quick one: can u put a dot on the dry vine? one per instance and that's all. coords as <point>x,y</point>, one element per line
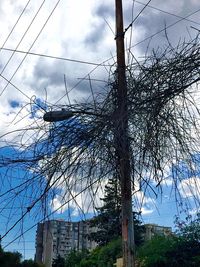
<point>79,153</point>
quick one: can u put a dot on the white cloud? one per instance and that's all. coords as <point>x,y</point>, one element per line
<point>80,201</point>
<point>189,187</point>
<point>142,203</point>
<point>75,30</point>
<point>194,211</point>
<point>146,211</point>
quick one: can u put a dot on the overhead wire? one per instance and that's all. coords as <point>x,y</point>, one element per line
<point>17,88</point>
<point>165,28</point>
<point>11,31</point>
<point>134,45</point>
<point>53,57</point>
<point>51,13</point>
<point>104,61</point>
<point>48,215</point>
<point>167,12</point>
<point>131,24</point>
<point>23,36</point>
<point>88,62</point>
<point>131,33</point>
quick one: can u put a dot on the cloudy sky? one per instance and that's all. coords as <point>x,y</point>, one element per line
<point>44,41</point>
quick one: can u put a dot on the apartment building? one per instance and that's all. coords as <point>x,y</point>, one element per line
<point>152,229</point>
<point>59,237</point>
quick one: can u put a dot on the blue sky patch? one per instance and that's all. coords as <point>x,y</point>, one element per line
<point>14,104</point>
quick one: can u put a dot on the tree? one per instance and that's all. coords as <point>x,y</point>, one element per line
<point>153,252</point>
<point>13,259</point>
<point>74,258</point>
<point>58,262</point>
<point>189,229</point>
<point>109,253</point>
<point>185,253</point>
<point>181,250</point>
<point>103,256</point>
<point>10,259</point>
<point>107,223</point>
<point>30,263</point>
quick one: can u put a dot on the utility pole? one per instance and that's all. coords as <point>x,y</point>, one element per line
<point>121,141</point>
<point>122,144</point>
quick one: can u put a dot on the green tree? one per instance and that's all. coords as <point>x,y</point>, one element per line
<point>108,220</point>
<point>91,259</point>
<point>103,256</point>
<point>189,229</point>
<point>13,259</point>
<point>74,258</point>
<point>154,252</point>
<point>109,253</point>
<point>181,250</point>
<point>30,263</point>
<point>185,253</point>
<point>10,259</point>
<point>58,262</point>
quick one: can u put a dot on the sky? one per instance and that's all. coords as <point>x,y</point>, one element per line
<point>47,43</point>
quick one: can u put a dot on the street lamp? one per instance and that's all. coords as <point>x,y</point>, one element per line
<point>60,115</point>
<point>63,114</point>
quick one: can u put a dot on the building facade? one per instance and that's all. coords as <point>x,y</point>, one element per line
<point>59,237</point>
<point>152,230</point>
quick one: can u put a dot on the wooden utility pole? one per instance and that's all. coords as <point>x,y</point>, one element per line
<point>122,144</point>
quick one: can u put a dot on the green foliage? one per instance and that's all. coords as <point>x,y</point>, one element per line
<point>109,253</point>
<point>74,258</point>
<point>189,229</point>
<point>153,252</point>
<point>108,220</point>
<point>91,259</point>
<point>10,259</point>
<point>100,257</point>
<point>58,262</point>
<point>185,253</point>
<point>30,263</point>
<point>13,259</point>
<point>181,250</point>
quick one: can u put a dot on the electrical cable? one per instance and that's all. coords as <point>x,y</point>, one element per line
<point>51,13</point>
<point>47,216</point>
<point>165,28</point>
<point>95,68</point>
<point>131,24</point>
<point>168,13</point>
<point>53,57</point>
<point>103,62</point>
<point>20,16</point>
<point>28,28</point>
<point>136,44</point>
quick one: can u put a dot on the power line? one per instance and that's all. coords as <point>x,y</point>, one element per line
<point>91,63</point>
<point>51,13</point>
<point>167,12</point>
<point>24,9</point>
<point>131,24</point>
<point>53,57</point>
<point>164,29</point>
<point>47,216</point>
<point>20,241</point>
<point>9,82</point>
<point>136,44</point>
<point>23,36</point>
